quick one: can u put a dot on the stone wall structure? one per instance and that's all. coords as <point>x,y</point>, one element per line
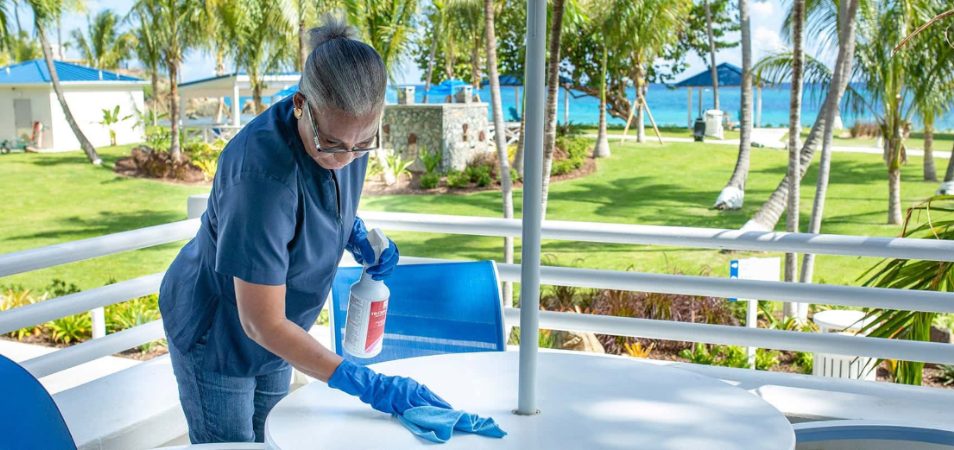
<point>458,130</point>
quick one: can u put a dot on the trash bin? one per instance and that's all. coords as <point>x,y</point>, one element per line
<point>714,124</point>
<point>842,366</point>
<point>699,130</point>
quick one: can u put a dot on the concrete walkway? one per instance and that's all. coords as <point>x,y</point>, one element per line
<point>770,138</point>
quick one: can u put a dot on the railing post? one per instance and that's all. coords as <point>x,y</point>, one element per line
<point>98,319</point>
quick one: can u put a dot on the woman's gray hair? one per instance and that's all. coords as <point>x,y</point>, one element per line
<point>341,71</point>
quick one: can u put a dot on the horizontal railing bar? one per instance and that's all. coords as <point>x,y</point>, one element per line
<point>37,313</point>
<point>744,336</point>
<point>73,356</point>
<point>903,299</point>
<point>67,252</point>
<point>615,233</point>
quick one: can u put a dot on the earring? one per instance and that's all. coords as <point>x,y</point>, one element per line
<point>298,113</point>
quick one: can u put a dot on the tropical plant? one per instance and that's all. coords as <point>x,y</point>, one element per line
<point>16,297</point>
<point>259,44</point>
<point>552,85</point>
<point>385,25</point>
<point>19,47</point>
<point>103,46</point>
<point>930,219</point>
<point>177,27</point>
<point>75,328</point>
<point>430,159</point>
<point>465,23</point>
<point>846,12</point>
<point>148,48</point>
<point>45,13</point>
<point>397,165</point>
<point>110,120</point>
<point>637,350</point>
<point>503,168</point>
<point>429,180</point>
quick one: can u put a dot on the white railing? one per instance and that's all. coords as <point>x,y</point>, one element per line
<point>590,278</point>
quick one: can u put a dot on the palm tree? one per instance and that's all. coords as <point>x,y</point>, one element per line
<point>553,85</point>
<point>733,194</point>
<point>794,131</point>
<point>45,13</point>
<point>260,42</point>
<point>836,88</point>
<point>503,167</point>
<point>148,47</point>
<point>4,33</point>
<point>465,28</point>
<point>386,26</point>
<point>178,28</point>
<point>435,18</point>
<point>103,46</point>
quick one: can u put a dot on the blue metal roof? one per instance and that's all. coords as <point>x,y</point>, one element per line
<point>729,75</point>
<point>35,72</point>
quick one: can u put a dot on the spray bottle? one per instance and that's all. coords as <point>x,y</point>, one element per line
<point>368,307</point>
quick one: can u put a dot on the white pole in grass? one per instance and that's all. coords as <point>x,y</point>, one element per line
<point>532,216</point>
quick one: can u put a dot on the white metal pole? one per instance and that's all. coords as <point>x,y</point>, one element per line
<point>566,107</point>
<point>98,320</point>
<point>532,216</point>
<point>236,108</point>
<point>689,109</point>
<point>751,321</point>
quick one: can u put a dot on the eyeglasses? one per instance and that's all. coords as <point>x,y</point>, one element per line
<point>358,151</point>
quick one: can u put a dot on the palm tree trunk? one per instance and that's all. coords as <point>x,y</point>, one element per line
<point>893,152</point>
<point>640,108</point>
<point>949,175</point>
<point>794,131</point>
<point>712,56</point>
<point>601,149</point>
<point>894,196</point>
<point>220,70</point>
<point>174,109</point>
<point>430,66</point>
<point>518,155</point>
<point>930,172</point>
<point>846,48</point>
<point>85,144</point>
<point>506,186</point>
<point>553,84</point>
<point>475,66</point>
<point>733,194</point>
<point>302,41</point>
<point>154,81</point>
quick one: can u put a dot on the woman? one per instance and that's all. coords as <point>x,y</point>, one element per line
<point>237,301</point>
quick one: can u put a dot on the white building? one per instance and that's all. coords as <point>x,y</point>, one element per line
<point>28,102</point>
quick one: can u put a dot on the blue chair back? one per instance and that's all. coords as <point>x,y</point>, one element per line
<point>433,309</point>
<point>29,419</point>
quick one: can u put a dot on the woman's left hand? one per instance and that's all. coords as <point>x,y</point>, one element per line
<point>363,252</point>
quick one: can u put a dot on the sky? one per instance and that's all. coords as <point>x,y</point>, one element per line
<point>766,16</point>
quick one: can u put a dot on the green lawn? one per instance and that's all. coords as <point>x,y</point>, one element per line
<point>57,198</point>
<point>680,132</point>
<point>942,142</point>
<point>52,198</point>
<point>674,184</point>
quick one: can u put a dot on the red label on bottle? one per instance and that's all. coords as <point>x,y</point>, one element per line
<point>379,312</point>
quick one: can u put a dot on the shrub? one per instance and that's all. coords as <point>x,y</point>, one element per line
<point>479,174</point>
<point>398,165</point>
<point>158,136</point>
<point>75,328</point>
<point>766,359</point>
<point>204,155</point>
<point>569,155</point>
<point>132,313</point>
<point>15,297</point>
<point>430,159</point>
<point>946,377</point>
<point>430,180</point>
<point>716,355</point>
<point>458,179</point>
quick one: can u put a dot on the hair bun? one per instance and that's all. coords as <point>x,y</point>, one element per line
<point>332,28</point>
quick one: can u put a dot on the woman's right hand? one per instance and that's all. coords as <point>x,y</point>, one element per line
<point>388,394</point>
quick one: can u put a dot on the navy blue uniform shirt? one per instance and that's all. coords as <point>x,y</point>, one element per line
<point>274,217</point>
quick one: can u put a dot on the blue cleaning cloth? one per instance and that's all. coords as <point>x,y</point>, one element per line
<point>438,424</point>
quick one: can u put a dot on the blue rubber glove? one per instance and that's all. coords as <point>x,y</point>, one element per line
<point>388,394</point>
<point>361,249</point>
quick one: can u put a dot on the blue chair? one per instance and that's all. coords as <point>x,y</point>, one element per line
<point>29,418</point>
<point>433,309</point>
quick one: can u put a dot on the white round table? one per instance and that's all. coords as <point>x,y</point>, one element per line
<point>586,401</point>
